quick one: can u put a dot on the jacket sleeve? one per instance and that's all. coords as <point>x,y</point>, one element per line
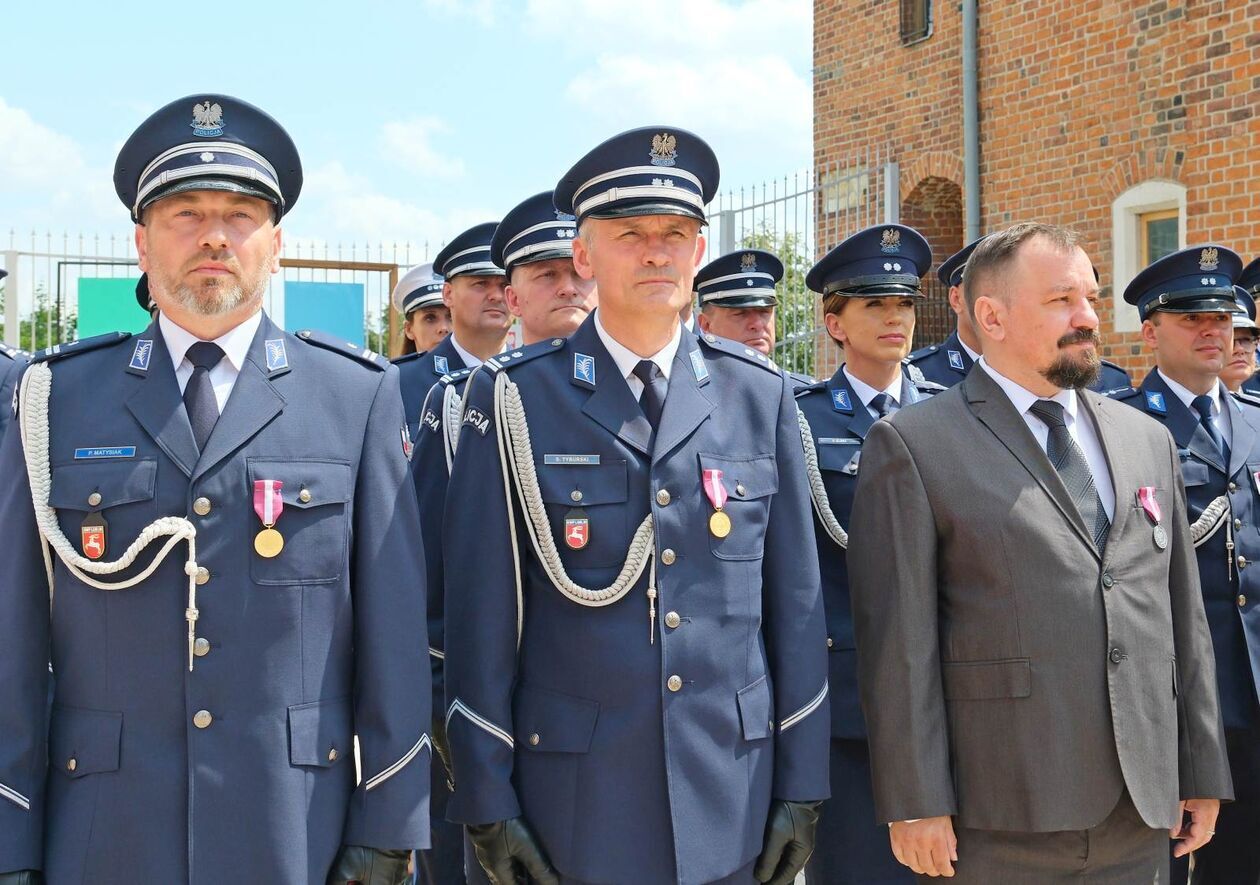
<point>24,679</point>
<point>1203,767</point>
<point>795,627</point>
<point>430,476</point>
<point>893,585</point>
<point>484,561</point>
<point>390,807</point>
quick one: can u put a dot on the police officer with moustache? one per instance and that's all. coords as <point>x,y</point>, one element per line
<point>226,592</point>
<point>12,362</point>
<point>534,244</point>
<point>869,285</point>
<point>418,297</point>
<point>636,670</point>
<point>1186,301</point>
<point>949,362</point>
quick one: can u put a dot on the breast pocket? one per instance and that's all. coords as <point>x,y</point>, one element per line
<point>315,521</point>
<point>121,492</point>
<point>586,507</point>
<point>750,484</point>
<point>1194,472</point>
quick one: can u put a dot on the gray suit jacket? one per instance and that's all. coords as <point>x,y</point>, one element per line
<point>1011,675</point>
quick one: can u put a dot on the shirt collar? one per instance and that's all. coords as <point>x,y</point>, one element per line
<point>235,342</point>
<point>470,361</point>
<point>866,393</point>
<point>975,357</point>
<point>1187,397</point>
<point>1023,399</point>
<point>626,359</point>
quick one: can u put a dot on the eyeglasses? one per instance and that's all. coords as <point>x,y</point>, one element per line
<point>1246,342</point>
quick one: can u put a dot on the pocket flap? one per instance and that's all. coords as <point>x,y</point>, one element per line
<point>842,458</point>
<point>756,475</point>
<point>987,680</point>
<point>1193,471</point>
<point>549,721</point>
<point>603,483</point>
<point>305,483</point>
<point>82,742</point>
<point>321,733</point>
<point>755,711</point>
<point>117,482</point>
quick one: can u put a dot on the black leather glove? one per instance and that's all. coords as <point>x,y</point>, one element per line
<point>368,866</point>
<point>443,748</point>
<point>22,877</point>
<point>508,849</point>
<point>789,841</point>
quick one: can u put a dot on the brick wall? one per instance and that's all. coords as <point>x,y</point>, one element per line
<point>1079,101</point>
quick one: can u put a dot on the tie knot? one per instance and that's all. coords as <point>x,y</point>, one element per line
<point>1203,405</point>
<point>647,372</point>
<point>204,355</point>
<point>1050,412</point>
<point>881,403</point>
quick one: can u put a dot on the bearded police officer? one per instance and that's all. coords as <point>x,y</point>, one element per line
<point>12,362</point>
<point>226,591</point>
<point>636,667</point>
<point>1186,301</point>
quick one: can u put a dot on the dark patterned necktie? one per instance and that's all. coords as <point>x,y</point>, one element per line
<point>1073,469</point>
<point>652,400</point>
<point>1203,405</point>
<point>199,401</point>
<point>882,403</point>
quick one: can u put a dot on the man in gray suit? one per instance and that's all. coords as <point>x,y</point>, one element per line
<point>1035,665</point>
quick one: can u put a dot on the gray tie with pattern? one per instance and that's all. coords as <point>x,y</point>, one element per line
<point>1073,469</point>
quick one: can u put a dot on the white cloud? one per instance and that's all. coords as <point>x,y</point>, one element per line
<point>409,143</point>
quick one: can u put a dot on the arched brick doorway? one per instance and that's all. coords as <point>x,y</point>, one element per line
<point>934,208</point>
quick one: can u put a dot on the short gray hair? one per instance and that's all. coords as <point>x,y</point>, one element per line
<point>997,252</point>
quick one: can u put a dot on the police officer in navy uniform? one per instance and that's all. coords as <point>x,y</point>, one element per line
<point>1249,280</point>
<point>949,362</point>
<point>534,246</point>
<point>226,591</point>
<point>418,297</point>
<point>12,362</point>
<point>1240,367</point>
<point>1185,301</point>
<point>636,668</point>
<point>869,286</point>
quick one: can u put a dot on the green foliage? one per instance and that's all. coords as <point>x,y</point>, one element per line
<point>44,327</point>
<point>794,319</point>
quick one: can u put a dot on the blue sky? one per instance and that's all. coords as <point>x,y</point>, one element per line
<point>414,119</point>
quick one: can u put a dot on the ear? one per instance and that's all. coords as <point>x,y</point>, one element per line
<point>701,243</point>
<point>835,327</point>
<point>990,318</point>
<point>1150,337</point>
<point>957,302</point>
<point>277,244</point>
<point>447,291</point>
<point>142,247</point>
<point>702,320</point>
<point>582,259</point>
<point>512,300</point>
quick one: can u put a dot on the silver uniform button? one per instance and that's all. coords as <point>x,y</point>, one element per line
<point>534,740</point>
<point>202,719</point>
<point>830,642</point>
<point>1237,524</point>
<point>662,497</point>
<point>667,556</point>
<point>740,490</point>
<point>94,499</point>
<point>675,683</point>
<point>1242,562</point>
<point>72,764</point>
<point>1242,600</point>
<point>305,496</point>
<point>333,755</point>
<point>201,506</point>
<point>575,496</point>
<point>1233,486</point>
<point>201,647</point>
<point>672,620</point>
<point>203,575</point>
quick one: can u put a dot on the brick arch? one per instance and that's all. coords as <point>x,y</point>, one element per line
<point>932,164</point>
<point>1143,165</point>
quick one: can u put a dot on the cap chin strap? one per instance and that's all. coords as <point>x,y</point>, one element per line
<point>33,421</point>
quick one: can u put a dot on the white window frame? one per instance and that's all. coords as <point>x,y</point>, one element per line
<point>1126,238</point>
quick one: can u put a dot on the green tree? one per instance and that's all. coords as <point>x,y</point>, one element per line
<point>45,326</point>
<point>794,319</point>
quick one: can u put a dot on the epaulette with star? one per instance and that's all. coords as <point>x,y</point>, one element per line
<point>929,387</point>
<point>408,357</point>
<point>345,348</point>
<point>810,388</point>
<point>735,348</point>
<point>922,352</point>
<point>517,355</point>
<point>83,345</point>
<point>1123,393</point>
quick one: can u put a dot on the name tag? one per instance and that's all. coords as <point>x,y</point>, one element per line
<point>105,452</point>
<point>579,460</point>
<point>838,441</point>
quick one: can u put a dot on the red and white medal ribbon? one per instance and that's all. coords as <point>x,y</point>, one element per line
<point>713,488</point>
<point>267,501</point>
<point>1146,497</point>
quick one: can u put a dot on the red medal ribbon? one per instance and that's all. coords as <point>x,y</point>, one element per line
<point>1146,497</point>
<point>267,501</point>
<point>713,488</point>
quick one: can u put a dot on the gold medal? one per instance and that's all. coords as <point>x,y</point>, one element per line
<point>268,543</point>
<point>719,524</point>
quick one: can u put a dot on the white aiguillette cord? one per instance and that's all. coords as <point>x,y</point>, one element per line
<point>33,421</point>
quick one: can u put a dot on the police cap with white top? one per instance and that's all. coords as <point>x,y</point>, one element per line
<point>208,142</point>
<point>1249,279</point>
<point>469,253</point>
<point>883,261</point>
<point>533,231</point>
<point>1244,314</point>
<point>1195,280</point>
<point>655,170</point>
<point>740,279</point>
<point>419,287</point>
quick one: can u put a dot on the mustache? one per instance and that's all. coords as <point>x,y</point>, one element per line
<point>1081,336</point>
<point>219,257</point>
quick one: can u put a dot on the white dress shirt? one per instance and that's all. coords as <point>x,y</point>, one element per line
<point>626,359</point>
<point>975,357</point>
<point>866,393</point>
<point>235,346</point>
<point>1220,416</point>
<point>1082,431</point>
<point>470,361</point>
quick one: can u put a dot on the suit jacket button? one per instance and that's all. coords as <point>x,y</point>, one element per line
<point>202,719</point>
<point>1116,655</point>
<point>662,497</point>
<point>672,620</point>
<point>668,556</point>
<point>675,683</point>
<point>201,506</point>
<point>1108,581</point>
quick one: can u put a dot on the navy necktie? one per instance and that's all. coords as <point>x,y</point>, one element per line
<point>1073,469</point>
<point>1203,405</point>
<point>199,401</point>
<point>882,403</point>
<point>652,400</point>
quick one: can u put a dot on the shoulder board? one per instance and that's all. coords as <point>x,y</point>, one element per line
<point>83,345</point>
<point>518,355</point>
<point>1114,392</point>
<point>929,387</point>
<point>454,377</point>
<point>1123,393</point>
<point>1248,397</point>
<point>345,348</point>
<point>407,357</point>
<point>725,345</point>
<point>810,388</point>
<point>919,354</point>
<point>1113,365</point>
<point>13,353</point>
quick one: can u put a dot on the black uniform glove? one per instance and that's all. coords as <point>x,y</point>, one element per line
<point>22,877</point>
<point>789,841</point>
<point>443,748</point>
<point>368,866</point>
<point>508,849</point>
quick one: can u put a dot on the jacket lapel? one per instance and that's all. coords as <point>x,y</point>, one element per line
<point>1244,435</point>
<point>990,404</point>
<point>686,403</point>
<point>610,404</point>
<point>158,405</point>
<point>1183,423</point>
<point>1123,473</point>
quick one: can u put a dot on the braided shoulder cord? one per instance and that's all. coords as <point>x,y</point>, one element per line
<point>452,414</point>
<point>817,490</point>
<point>1209,520</point>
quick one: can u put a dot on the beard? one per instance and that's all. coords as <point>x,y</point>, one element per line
<point>1071,371</point>
<point>214,296</point>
